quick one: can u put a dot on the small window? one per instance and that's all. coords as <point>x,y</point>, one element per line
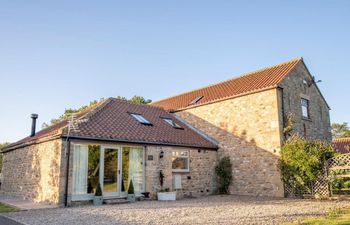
<point>181,161</point>
<point>305,108</point>
<point>140,118</point>
<point>172,123</point>
<point>194,101</point>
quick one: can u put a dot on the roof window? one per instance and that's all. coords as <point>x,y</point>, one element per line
<point>196,99</point>
<point>140,119</point>
<point>172,123</point>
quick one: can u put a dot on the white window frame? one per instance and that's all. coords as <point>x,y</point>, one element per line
<point>179,156</point>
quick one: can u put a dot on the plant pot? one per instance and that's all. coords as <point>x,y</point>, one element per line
<point>166,196</point>
<point>146,194</point>
<point>131,198</point>
<point>98,200</point>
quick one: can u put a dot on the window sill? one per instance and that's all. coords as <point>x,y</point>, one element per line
<point>307,119</point>
<point>181,171</point>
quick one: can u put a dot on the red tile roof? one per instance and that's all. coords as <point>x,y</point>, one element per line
<point>111,121</point>
<point>258,80</point>
<point>342,145</point>
<point>54,130</point>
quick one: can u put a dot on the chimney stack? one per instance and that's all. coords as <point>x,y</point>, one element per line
<point>34,117</point>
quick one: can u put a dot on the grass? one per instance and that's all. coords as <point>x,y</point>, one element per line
<point>335,217</point>
<point>6,208</point>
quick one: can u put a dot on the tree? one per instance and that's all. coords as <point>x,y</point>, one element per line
<point>2,145</point>
<point>139,99</point>
<point>68,112</point>
<point>340,130</point>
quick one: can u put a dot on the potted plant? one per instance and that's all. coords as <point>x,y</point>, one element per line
<point>131,192</point>
<point>98,199</point>
<point>165,194</point>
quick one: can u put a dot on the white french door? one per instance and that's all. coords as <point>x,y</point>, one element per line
<point>111,166</point>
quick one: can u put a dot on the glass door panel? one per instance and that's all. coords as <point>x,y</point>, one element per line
<point>125,169</point>
<point>93,168</point>
<point>132,168</point>
<point>136,168</point>
<point>110,178</point>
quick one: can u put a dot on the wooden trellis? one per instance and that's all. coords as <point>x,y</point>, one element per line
<point>336,167</point>
<point>339,162</point>
<point>339,169</point>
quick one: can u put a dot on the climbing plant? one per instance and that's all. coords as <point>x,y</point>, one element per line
<point>224,175</point>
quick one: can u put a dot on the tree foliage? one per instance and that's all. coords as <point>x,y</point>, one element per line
<point>302,161</point>
<point>224,175</point>
<point>68,112</point>
<point>340,130</point>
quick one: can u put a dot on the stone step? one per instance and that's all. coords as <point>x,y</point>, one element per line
<point>115,201</point>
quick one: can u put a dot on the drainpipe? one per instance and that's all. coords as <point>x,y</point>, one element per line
<point>283,110</point>
<point>67,173</point>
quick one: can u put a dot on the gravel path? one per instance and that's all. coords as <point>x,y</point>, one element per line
<point>206,210</point>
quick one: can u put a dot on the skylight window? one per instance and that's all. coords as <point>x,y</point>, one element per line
<point>172,123</point>
<point>140,118</point>
<point>196,99</point>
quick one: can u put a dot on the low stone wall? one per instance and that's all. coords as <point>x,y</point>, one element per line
<point>200,180</point>
<point>33,172</point>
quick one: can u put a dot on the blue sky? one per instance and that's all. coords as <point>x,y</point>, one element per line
<point>60,54</point>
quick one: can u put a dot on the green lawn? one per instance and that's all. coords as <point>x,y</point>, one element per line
<point>6,208</point>
<point>336,217</point>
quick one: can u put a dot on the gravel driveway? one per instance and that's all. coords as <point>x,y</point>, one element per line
<point>206,210</point>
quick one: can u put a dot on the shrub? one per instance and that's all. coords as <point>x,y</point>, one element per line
<point>131,188</point>
<point>98,191</point>
<point>302,161</point>
<point>224,175</point>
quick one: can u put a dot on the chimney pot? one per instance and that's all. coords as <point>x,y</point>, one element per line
<point>34,117</point>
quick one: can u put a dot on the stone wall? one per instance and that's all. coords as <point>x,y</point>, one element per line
<point>200,180</point>
<point>296,86</point>
<point>33,172</point>
<point>248,131</point>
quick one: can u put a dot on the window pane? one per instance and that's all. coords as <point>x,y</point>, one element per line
<point>305,108</point>
<point>86,165</point>
<point>133,168</point>
<point>80,161</point>
<point>110,180</point>
<point>172,123</point>
<point>180,163</point>
<point>140,118</point>
<point>93,168</point>
<point>125,168</point>
<point>136,168</point>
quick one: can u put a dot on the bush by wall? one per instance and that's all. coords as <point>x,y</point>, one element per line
<point>224,175</point>
<point>302,161</point>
